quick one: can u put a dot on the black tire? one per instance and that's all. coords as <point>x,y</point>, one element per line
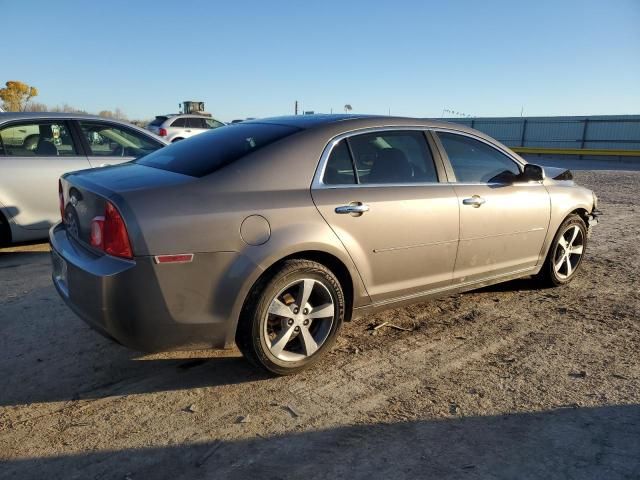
<point>251,336</point>
<point>176,140</point>
<point>549,276</point>
<point>5,231</point>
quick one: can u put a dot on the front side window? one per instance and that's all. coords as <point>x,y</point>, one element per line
<point>213,123</point>
<point>193,122</point>
<point>39,139</point>
<point>393,157</point>
<point>106,140</point>
<point>205,153</point>
<point>474,161</point>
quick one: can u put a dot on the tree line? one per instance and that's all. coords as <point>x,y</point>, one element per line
<point>17,96</point>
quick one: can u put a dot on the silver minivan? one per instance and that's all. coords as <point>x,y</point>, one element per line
<point>37,148</point>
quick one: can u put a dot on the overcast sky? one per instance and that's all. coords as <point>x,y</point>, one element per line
<point>254,59</point>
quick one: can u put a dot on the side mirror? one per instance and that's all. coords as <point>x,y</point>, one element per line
<point>533,173</point>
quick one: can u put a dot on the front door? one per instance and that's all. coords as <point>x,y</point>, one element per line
<point>503,220</point>
<point>111,144</point>
<point>396,220</point>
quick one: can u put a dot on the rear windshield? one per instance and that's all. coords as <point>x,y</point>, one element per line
<point>207,152</point>
<point>158,121</point>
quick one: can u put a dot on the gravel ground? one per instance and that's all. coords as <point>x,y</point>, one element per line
<point>506,382</point>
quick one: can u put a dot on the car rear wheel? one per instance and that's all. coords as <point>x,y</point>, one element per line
<point>566,252</point>
<point>292,318</point>
<point>176,140</point>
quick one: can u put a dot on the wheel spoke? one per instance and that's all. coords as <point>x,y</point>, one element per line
<point>577,250</point>
<point>310,345</point>
<point>322,311</point>
<point>576,230</point>
<point>305,292</point>
<point>569,267</point>
<point>558,266</point>
<point>563,242</point>
<point>277,346</point>
<point>280,309</point>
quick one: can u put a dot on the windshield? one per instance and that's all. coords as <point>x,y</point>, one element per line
<point>207,152</point>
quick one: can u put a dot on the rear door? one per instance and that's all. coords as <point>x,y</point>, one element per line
<point>381,192</point>
<point>33,156</point>
<point>503,220</point>
<point>109,143</point>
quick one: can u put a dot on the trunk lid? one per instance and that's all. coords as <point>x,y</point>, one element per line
<point>86,192</point>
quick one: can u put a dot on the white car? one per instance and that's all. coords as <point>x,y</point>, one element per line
<point>174,127</point>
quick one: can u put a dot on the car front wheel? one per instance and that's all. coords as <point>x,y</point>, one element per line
<point>292,318</point>
<point>566,252</point>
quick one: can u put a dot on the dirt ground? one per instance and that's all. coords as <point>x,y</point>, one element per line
<point>507,382</point>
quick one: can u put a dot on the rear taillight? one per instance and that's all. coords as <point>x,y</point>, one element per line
<point>61,199</point>
<point>162,132</point>
<point>109,233</point>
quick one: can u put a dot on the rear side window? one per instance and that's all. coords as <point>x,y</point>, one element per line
<point>205,153</point>
<point>156,122</point>
<point>339,169</point>
<point>40,139</point>
<point>179,122</point>
<point>474,161</point>
<point>393,157</point>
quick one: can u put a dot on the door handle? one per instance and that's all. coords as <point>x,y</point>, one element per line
<point>476,201</point>
<point>355,207</point>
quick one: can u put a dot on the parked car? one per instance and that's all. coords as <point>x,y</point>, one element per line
<point>36,148</point>
<point>271,233</point>
<point>175,127</point>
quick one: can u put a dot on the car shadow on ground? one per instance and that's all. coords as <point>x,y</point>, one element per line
<point>115,371</point>
<point>584,443</point>
<point>18,258</point>
<point>526,284</point>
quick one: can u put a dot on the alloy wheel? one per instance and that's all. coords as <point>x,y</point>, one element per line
<point>299,320</point>
<point>568,253</point>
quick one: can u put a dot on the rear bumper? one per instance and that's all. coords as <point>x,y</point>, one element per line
<point>145,306</point>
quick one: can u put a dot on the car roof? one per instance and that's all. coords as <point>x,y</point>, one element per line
<point>355,121</point>
<point>52,115</point>
<point>199,115</point>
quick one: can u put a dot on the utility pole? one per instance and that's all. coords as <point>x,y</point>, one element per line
<point>295,108</point>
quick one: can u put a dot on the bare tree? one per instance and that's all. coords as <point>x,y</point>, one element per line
<point>36,107</point>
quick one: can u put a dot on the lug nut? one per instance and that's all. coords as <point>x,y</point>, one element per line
<point>297,329</point>
<point>296,310</point>
<point>290,322</point>
<point>306,322</point>
<point>305,311</point>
